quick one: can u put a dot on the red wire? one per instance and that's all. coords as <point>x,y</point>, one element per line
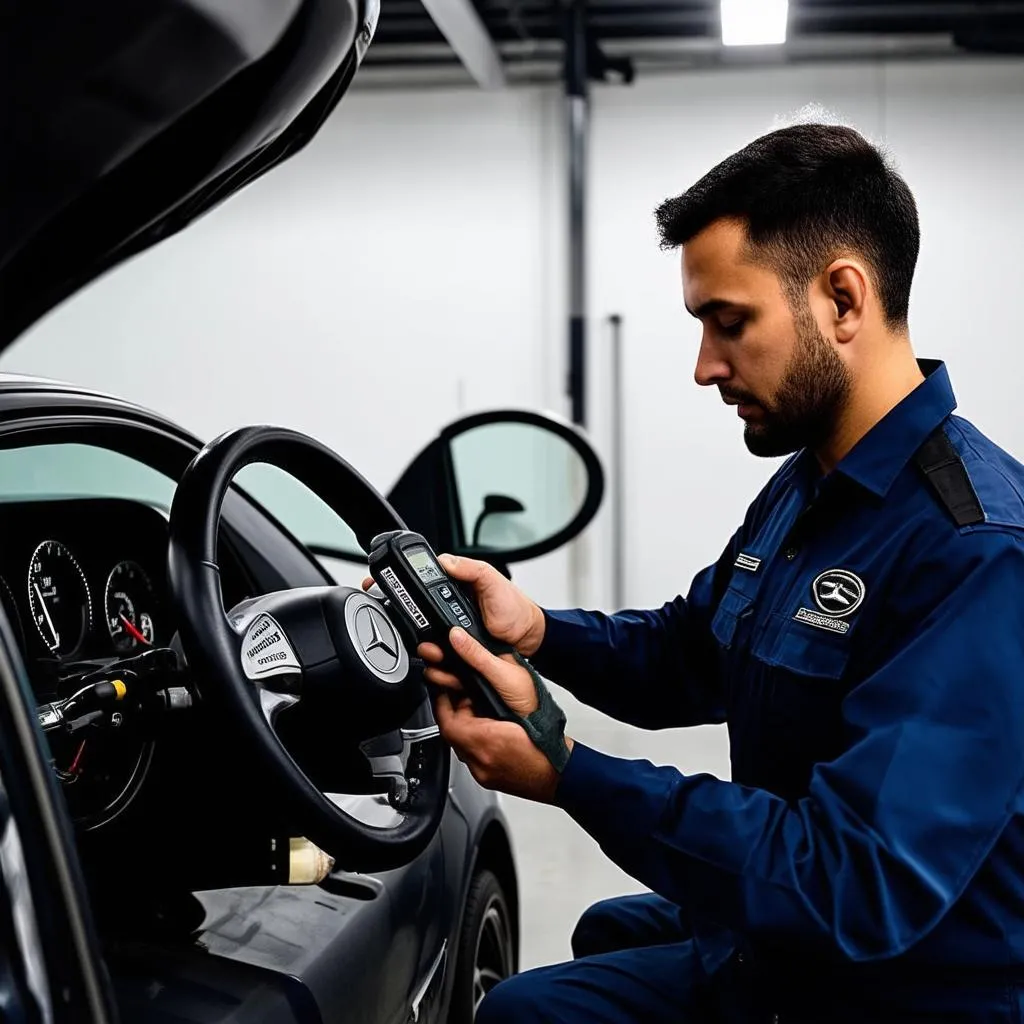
<point>73,770</point>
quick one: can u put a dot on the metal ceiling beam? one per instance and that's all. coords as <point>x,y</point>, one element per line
<point>460,24</point>
<point>898,9</point>
<point>398,67</point>
<point>516,54</point>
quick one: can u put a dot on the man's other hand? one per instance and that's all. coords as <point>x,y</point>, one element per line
<point>508,614</point>
<point>498,754</point>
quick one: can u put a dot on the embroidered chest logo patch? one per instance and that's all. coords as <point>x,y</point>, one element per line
<point>838,594</point>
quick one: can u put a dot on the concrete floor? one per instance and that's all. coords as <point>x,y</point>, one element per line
<point>561,869</point>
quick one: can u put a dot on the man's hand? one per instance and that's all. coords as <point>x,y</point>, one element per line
<point>498,754</point>
<point>508,614</point>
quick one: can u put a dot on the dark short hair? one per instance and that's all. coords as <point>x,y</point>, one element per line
<point>808,194</point>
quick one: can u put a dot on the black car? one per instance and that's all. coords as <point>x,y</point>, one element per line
<point>217,803</point>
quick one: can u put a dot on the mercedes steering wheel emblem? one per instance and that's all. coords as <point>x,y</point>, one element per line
<point>838,593</point>
<point>382,652</point>
<point>375,640</point>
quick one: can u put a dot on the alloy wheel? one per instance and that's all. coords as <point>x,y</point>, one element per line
<point>492,962</point>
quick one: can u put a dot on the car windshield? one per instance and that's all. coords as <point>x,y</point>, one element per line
<point>304,514</point>
<point>72,470</point>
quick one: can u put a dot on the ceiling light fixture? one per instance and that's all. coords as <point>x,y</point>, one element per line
<point>754,22</point>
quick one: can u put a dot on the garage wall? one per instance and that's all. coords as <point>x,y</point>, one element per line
<point>407,259</point>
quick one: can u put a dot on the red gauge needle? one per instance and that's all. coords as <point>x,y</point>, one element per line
<point>133,631</point>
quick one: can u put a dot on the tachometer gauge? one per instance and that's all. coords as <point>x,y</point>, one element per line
<point>129,603</point>
<point>59,598</point>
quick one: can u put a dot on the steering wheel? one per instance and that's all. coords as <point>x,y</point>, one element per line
<point>334,649</point>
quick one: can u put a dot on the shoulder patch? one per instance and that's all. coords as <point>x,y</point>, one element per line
<point>945,471</point>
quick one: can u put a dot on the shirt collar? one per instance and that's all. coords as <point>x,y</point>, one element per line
<point>877,458</point>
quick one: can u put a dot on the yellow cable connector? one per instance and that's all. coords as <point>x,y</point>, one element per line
<point>119,689</point>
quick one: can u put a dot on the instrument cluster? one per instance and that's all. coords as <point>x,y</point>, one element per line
<point>61,605</point>
<point>84,579</point>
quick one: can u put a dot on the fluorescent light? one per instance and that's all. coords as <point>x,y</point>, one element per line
<point>754,22</point>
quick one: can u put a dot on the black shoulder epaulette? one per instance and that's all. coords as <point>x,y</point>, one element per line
<point>945,471</point>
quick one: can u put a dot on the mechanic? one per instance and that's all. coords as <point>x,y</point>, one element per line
<point>862,635</point>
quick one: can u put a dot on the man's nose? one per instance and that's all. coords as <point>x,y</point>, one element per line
<point>711,367</point>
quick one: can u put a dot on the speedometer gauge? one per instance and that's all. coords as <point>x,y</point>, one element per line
<point>59,598</point>
<point>129,606</point>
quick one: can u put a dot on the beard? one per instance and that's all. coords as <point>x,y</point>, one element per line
<point>807,404</point>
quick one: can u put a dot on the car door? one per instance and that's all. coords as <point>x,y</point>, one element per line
<point>50,967</point>
<point>504,486</point>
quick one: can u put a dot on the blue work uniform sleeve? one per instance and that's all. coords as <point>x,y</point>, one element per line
<point>655,669</point>
<point>890,832</point>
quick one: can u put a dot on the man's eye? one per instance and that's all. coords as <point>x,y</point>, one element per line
<point>735,329</point>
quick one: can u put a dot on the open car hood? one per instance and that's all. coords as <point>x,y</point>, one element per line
<point>122,121</point>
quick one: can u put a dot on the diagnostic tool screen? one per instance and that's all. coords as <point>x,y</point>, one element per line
<point>426,568</point>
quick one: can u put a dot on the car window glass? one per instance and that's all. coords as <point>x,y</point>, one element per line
<point>80,471</point>
<point>72,470</point>
<point>301,512</point>
<point>518,484</point>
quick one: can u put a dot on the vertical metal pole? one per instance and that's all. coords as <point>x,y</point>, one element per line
<point>618,482</point>
<point>578,112</point>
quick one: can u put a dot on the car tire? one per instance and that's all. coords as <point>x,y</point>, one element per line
<point>486,954</point>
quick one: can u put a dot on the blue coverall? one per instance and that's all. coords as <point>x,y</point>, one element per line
<point>866,860</point>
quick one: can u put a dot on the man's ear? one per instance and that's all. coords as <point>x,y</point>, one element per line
<point>846,283</point>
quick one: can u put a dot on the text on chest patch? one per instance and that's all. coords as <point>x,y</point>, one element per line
<point>829,622</point>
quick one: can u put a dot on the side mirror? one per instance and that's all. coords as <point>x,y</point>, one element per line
<point>504,486</point>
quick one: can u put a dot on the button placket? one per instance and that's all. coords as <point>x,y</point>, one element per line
<point>796,535</point>
<point>791,547</point>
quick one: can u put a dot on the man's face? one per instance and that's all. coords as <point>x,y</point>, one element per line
<point>784,376</point>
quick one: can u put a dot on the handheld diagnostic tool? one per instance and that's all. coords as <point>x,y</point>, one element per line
<point>430,605</point>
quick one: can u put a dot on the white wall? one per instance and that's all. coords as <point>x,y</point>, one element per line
<point>425,233</point>
<point>408,255</point>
